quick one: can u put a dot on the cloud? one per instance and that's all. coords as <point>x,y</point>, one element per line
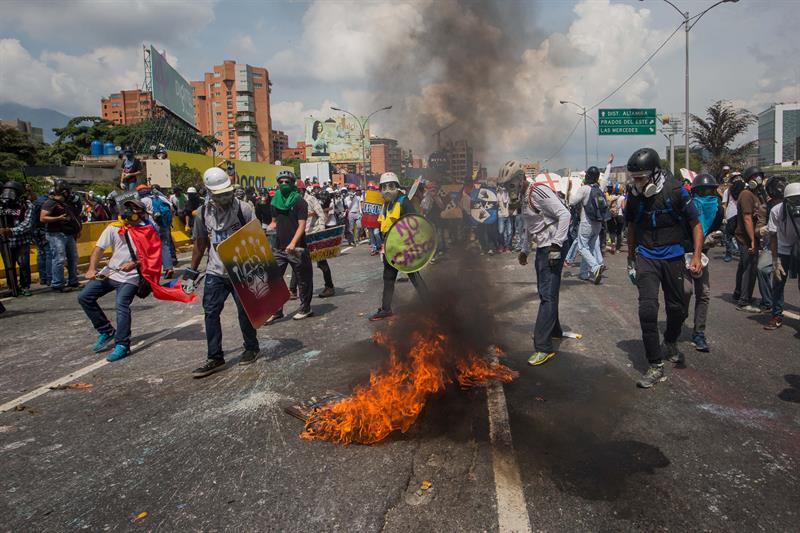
<point>72,84</point>
<point>96,24</point>
<point>242,45</point>
<point>289,116</point>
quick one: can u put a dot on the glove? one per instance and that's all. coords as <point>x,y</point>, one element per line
<point>554,257</point>
<point>632,269</point>
<point>189,280</point>
<point>777,268</point>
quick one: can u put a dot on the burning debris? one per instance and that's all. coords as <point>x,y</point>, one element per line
<point>395,396</point>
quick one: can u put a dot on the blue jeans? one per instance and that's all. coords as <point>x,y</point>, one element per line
<point>375,238</point>
<point>548,284</point>
<point>63,249</point>
<point>573,251</point>
<point>589,248</point>
<point>504,230</point>
<point>44,262</point>
<point>166,252</point>
<point>779,285</point>
<point>215,293</point>
<point>96,289</point>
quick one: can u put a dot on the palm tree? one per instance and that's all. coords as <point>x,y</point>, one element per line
<point>715,134</point>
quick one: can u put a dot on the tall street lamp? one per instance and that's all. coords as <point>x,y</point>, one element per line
<point>362,126</point>
<point>688,24</point>
<point>585,138</point>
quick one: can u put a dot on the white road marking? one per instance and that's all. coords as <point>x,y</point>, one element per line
<point>791,315</point>
<point>512,512</point>
<point>72,376</point>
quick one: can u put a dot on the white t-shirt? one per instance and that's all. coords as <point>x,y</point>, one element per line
<point>119,254</point>
<point>787,235</point>
<point>732,210</point>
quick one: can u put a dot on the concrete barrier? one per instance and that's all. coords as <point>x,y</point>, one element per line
<point>86,243</point>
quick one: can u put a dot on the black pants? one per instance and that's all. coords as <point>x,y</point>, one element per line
<point>668,275</point>
<point>301,267</point>
<point>20,257</point>
<point>389,279</point>
<point>745,275</point>
<point>326,275</point>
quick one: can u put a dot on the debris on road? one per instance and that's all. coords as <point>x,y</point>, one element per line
<point>73,386</point>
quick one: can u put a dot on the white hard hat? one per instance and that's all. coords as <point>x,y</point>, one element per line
<point>217,181</point>
<point>329,189</point>
<point>388,177</point>
<point>793,189</point>
<point>191,189</point>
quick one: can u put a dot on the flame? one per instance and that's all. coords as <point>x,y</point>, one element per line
<point>395,396</point>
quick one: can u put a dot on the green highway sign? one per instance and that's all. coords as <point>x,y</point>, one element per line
<point>627,121</point>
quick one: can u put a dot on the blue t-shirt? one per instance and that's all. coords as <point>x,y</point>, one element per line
<point>688,211</point>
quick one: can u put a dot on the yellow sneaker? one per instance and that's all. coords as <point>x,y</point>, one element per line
<point>540,358</point>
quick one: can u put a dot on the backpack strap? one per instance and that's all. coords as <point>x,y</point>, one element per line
<point>239,214</point>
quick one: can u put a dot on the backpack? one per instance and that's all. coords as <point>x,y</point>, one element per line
<point>162,212</point>
<point>596,207</point>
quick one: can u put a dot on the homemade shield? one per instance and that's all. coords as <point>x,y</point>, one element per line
<point>254,273</point>
<point>484,206</point>
<point>371,208</point>
<point>410,243</point>
<point>325,244</point>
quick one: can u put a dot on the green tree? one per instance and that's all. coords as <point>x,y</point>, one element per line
<point>76,137</point>
<point>716,133</point>
<point>294,163</point>
<point>184,176</point>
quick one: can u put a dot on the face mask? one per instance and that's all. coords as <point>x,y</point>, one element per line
<point>223,200</point>
<point>131,216</point>
<point>792,206</point>
<point>285,188</point>
<point>390,194</point>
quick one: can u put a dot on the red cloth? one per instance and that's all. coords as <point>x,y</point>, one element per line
<point>148,251</point>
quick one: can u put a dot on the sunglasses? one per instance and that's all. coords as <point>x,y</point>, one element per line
<point>284,181</point>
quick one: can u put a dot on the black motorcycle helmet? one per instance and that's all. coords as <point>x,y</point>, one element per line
<point>751,173</point>
<point>62,188</point>
<point>644,160</point>
<point>592,174</point>
<point>704,185</point>
<point>12,191</point>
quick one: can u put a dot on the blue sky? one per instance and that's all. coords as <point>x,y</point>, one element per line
<point>66,55</point>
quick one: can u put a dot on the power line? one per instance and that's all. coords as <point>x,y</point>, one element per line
<point>635,72</point>
<point>565,141</point>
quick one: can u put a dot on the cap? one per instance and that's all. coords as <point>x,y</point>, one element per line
<point>135,203</point>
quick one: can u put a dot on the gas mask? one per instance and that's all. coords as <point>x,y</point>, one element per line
<point>389,191</point>
<point>131,215</point>
<point>223,200</point>
<point>792,206</point>
<point>9,196</point>
<point>643,183</point>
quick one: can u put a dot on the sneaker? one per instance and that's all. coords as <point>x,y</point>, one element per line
<point>327,292</point>
<point>168,274</point>
<point>119,352</point>
<point>599,274</point>
<point>654,374</point>
<point>300,315</point>
<point>765,310</point>
<point>727,258</point>
<point>673,354</point>
<point>490,252</point>
<point>774,323</point>
<point>103,340</point>
<point>211,366</point>
<point>293,295</point>
<point>273,318</point>
<point>25,292</point>
<point>540,358</point>
<point>699,342</point>
<point>63,288</point>
<point>748,309</point>
<point>380,314</point>
<point>248,356</point>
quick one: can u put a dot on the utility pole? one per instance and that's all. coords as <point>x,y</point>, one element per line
<point>364,140</point>
<point>585,132</point>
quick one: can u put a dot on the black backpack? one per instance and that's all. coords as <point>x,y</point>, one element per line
<point>596,207</point>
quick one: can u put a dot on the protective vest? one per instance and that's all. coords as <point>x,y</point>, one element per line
<point>390,216</point>
<point>658,219</point>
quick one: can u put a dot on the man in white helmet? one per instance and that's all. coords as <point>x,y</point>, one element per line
<point>784,242</point>
<point>395,205</point>
<point>219,218</point>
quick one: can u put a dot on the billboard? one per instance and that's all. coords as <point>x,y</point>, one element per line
<point>337,140</point>
<point>170,90</point>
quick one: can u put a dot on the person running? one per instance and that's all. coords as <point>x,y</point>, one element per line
<point>657,212</point>
<point>710,212</point>
<point>546,224</point>
<point>784,233</point>
<point>395,205</point>
<point>220,217</point>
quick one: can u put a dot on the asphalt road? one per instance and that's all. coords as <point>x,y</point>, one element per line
<point>714,448</point>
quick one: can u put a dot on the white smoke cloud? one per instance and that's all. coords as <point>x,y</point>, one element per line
<point>289,116</point>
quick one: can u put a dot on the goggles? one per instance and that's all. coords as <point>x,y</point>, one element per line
<point>389,186</point>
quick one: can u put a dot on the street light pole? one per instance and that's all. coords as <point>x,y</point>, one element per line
<point>362,126</point>
<point>585,138</point>
<point>688,24</point>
